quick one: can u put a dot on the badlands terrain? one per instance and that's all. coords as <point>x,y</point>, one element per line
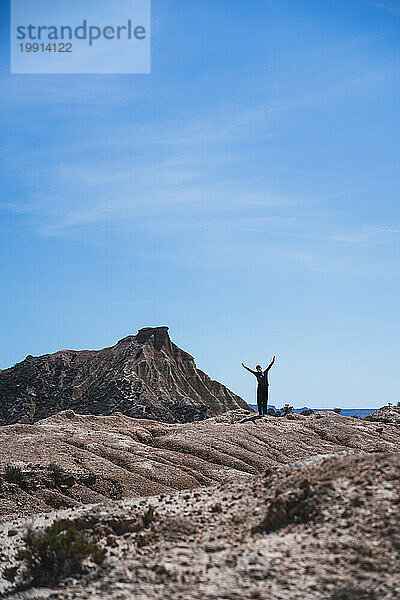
<point>128,473</point>
<point>144,376</point>
<point>70,459</point>
<point>231,507</point>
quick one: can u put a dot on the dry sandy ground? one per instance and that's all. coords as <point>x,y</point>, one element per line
<point>69,459</point>
<point>324,527</point>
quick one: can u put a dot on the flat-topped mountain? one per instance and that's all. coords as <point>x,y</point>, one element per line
<point>142,376</point>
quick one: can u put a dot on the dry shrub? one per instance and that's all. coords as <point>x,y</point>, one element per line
<point>57,552</point>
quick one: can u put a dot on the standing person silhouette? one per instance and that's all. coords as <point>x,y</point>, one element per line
<point>262,387</point>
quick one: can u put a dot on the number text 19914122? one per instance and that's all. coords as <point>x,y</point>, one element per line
<point>55,47</point>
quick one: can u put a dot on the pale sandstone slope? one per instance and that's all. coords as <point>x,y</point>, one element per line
<point>101,457</point>
<point>324,528</point>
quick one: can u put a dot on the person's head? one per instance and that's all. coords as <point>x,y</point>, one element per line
<point>258,368</point>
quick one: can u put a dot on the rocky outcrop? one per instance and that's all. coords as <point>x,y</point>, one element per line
<point>326,528</point>
<point>70,459</point>
<point>142,376</point>
<point>386,414</point>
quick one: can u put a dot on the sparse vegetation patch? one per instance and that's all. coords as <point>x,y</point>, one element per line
<point>13,474</point>
<point>57,552</point>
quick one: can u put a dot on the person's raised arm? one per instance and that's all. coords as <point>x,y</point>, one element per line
<point>270,365</point>
<point>249,370</point>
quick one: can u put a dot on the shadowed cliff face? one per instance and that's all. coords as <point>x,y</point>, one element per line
<point>143,376</point>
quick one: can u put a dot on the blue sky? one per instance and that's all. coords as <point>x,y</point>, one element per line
<point>246,194</point>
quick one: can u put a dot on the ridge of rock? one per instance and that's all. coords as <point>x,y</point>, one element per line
<point>70,459</point>
<point>322,529</point>
<point>385,414</point>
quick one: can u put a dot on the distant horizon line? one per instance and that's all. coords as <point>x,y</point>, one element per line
<point>332,408</point>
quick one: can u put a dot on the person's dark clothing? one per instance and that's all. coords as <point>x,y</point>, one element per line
<point>262,389</point>
<point>262,399</point>
<point>262,378</point>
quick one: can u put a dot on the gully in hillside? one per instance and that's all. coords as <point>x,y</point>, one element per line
<point>262,387</point>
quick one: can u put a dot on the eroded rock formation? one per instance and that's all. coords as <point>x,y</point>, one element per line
<point>142,376</point>
<point>385,414</point>
<point>70,459</point>
<point>325,528</point>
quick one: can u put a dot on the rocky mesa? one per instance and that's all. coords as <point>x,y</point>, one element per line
<point>142,376</point>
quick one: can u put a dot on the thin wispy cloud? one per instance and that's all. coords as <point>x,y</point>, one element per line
<point>390,6</point>
<point>366,235</point>
<point>193,151</point>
